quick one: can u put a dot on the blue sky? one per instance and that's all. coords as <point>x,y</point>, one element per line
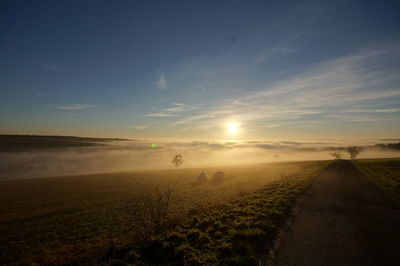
<point>187,69</point>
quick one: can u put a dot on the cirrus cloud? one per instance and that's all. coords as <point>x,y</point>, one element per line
<point>73,107</point>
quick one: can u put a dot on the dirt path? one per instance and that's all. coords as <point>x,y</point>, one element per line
<point>342,220</point>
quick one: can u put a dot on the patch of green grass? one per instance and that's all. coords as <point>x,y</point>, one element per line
<point>234,233</point>
<point>384,172</point>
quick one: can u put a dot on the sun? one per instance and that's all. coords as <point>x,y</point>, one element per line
<point>232,128</point>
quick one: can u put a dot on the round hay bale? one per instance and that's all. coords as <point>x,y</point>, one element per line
<point>219,177</point>
<point>202,177</point>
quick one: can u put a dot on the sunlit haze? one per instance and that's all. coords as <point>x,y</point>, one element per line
<point>204,70</point>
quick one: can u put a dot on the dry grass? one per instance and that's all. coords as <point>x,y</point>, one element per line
<point>235,233</point>
<point>74,219</point>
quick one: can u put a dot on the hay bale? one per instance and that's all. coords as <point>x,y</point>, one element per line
<point>219,177</point>
<point>202,177</point>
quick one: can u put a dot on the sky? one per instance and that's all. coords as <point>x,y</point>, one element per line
<point>201,70</point>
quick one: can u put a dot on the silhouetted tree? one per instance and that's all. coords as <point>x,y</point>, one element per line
<point>336,155</point>
<point>354,151</point>
<point>177,160</point>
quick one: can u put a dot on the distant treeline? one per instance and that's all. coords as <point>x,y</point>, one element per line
<point>389,146</point>
<point>12,143</point>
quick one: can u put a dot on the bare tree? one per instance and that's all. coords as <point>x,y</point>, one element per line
<point>177,160</point>
<point>337,155</point>
<point>354,151</point>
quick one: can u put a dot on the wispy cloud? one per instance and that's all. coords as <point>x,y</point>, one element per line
<point>353,118</point>
<point>175,109</point>
<point>390,110</point>
<point>74,107</point>
<point>162,82</point>
<point>139,127</point>
<point>313,95</point>
<point>180,107</point>
<point>158,114</point>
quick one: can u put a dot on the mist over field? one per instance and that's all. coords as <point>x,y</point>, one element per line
<point>200,132</point>
<point>121,156</point>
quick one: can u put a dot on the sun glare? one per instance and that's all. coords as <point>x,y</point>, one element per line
<point>232,129</point>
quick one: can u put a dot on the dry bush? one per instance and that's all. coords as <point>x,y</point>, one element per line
<point>153,216</point>
<point>148,214</point>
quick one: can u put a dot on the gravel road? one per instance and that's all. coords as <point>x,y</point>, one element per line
<point>343,219</point>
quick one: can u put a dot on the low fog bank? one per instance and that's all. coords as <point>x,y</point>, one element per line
<point>124,156</point>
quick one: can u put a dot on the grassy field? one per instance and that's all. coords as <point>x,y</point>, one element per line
<point>235,233</point>
<point>74,219</point>
<point>384,172</point>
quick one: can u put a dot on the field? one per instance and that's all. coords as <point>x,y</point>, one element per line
<point>118,218</point>
<point>239,232</point>
<point>82,219</point>
<point>385,173</point>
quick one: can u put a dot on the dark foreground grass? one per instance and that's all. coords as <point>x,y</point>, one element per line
<point>384,172</point>
<point>75,220</point>
<point>235,233</point>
